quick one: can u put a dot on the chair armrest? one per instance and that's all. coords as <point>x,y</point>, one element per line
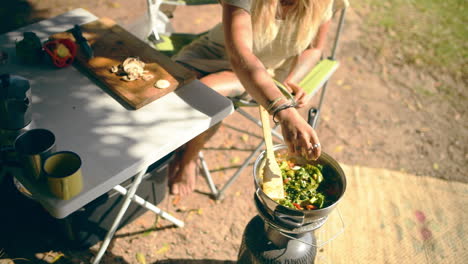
<point>311,83</point>
<point>317,77</point>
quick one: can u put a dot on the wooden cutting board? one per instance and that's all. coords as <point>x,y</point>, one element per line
<point>112,44</point>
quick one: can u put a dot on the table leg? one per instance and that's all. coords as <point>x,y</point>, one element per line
<point>137,199</point>
<point>123,209</point>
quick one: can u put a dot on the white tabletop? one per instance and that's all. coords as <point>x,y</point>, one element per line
<point>114,143</point>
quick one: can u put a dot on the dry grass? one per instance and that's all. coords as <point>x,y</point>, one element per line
<point>427,34</point>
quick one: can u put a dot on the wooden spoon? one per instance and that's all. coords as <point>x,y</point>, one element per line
<point>272,180</point>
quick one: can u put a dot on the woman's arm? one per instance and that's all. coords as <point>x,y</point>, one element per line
<point>239,47</point>
<point>305,62</point>
<point>298,134</point>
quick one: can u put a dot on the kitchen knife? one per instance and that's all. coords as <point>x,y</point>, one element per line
<point>82,41</point>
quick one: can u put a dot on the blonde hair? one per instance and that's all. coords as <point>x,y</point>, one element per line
<point>300,23</point>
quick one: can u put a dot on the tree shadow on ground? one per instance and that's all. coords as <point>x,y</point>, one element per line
<point>28,233</point>
<point>18,13</point>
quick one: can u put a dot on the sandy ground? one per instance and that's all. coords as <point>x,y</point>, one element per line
<point>374,115</point>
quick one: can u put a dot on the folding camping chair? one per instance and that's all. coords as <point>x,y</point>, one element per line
<point>169,43</point>
<point>159,22</point>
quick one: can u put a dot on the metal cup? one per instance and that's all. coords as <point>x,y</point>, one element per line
<point>63,172</point>
<point>32,147</point>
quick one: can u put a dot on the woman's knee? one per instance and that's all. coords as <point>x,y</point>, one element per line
<point>225,83</point>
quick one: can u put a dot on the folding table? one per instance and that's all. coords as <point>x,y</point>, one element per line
<point>114,143</point>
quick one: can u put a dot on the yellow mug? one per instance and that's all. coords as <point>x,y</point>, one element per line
<point>63,172</point>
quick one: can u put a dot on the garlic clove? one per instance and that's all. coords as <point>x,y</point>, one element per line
<point>162,84</point>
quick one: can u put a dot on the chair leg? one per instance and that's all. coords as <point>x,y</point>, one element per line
<point>216,193</point>
<point>313,116</point>
<point>258,123</point>
<point>239,170</point>
<point>159,22</point>
<point>206,173</point>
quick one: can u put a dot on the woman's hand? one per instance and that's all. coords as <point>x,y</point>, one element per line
<point>299,136</point>
<point>298,93</point>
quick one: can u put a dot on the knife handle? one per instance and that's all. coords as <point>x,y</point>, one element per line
<point>76,31</point>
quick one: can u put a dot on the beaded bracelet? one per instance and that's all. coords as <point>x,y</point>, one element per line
<point>281,108</point>
<point>288,102</point>
<point>273,103</point>
<point>276,107</point>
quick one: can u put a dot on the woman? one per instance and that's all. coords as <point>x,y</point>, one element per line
<point>258,40</point>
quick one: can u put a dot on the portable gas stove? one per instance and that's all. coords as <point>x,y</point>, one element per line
<point>282,235</point>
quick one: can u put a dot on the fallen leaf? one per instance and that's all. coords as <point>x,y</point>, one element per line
<point>245,138</point>
<point>347,87</point>
<point>326,118</point>
<point>50,257</point>
<point>140,258</point>
<point>147,233</point>
<point>165,248</point>
<point>228,143</point>
<point>156,221</point>
<point>192,212</point>
<point>419,105</point>
<point>339,82</point>
<point>339,148</point>
<point>114,5</point>
<point>435,166</point>
<point>410,105</point>
<point>176,200</point>
<point>200,211</point>
<point>235,160</point>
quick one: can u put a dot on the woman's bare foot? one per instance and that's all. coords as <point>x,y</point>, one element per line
<point>183,172</point>
<point>184,179</point>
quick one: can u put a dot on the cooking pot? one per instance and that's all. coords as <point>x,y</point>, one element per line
<point>293,218</point>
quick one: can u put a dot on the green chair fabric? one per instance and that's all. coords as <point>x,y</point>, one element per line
<point>170,45</point>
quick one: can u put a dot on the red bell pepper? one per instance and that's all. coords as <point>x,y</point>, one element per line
<point>59,60</point>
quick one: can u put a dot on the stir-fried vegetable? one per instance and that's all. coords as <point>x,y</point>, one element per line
<point>300,186</point>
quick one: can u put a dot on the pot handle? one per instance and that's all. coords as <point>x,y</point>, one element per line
<point>320,244</point>
<point>286,217</point>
